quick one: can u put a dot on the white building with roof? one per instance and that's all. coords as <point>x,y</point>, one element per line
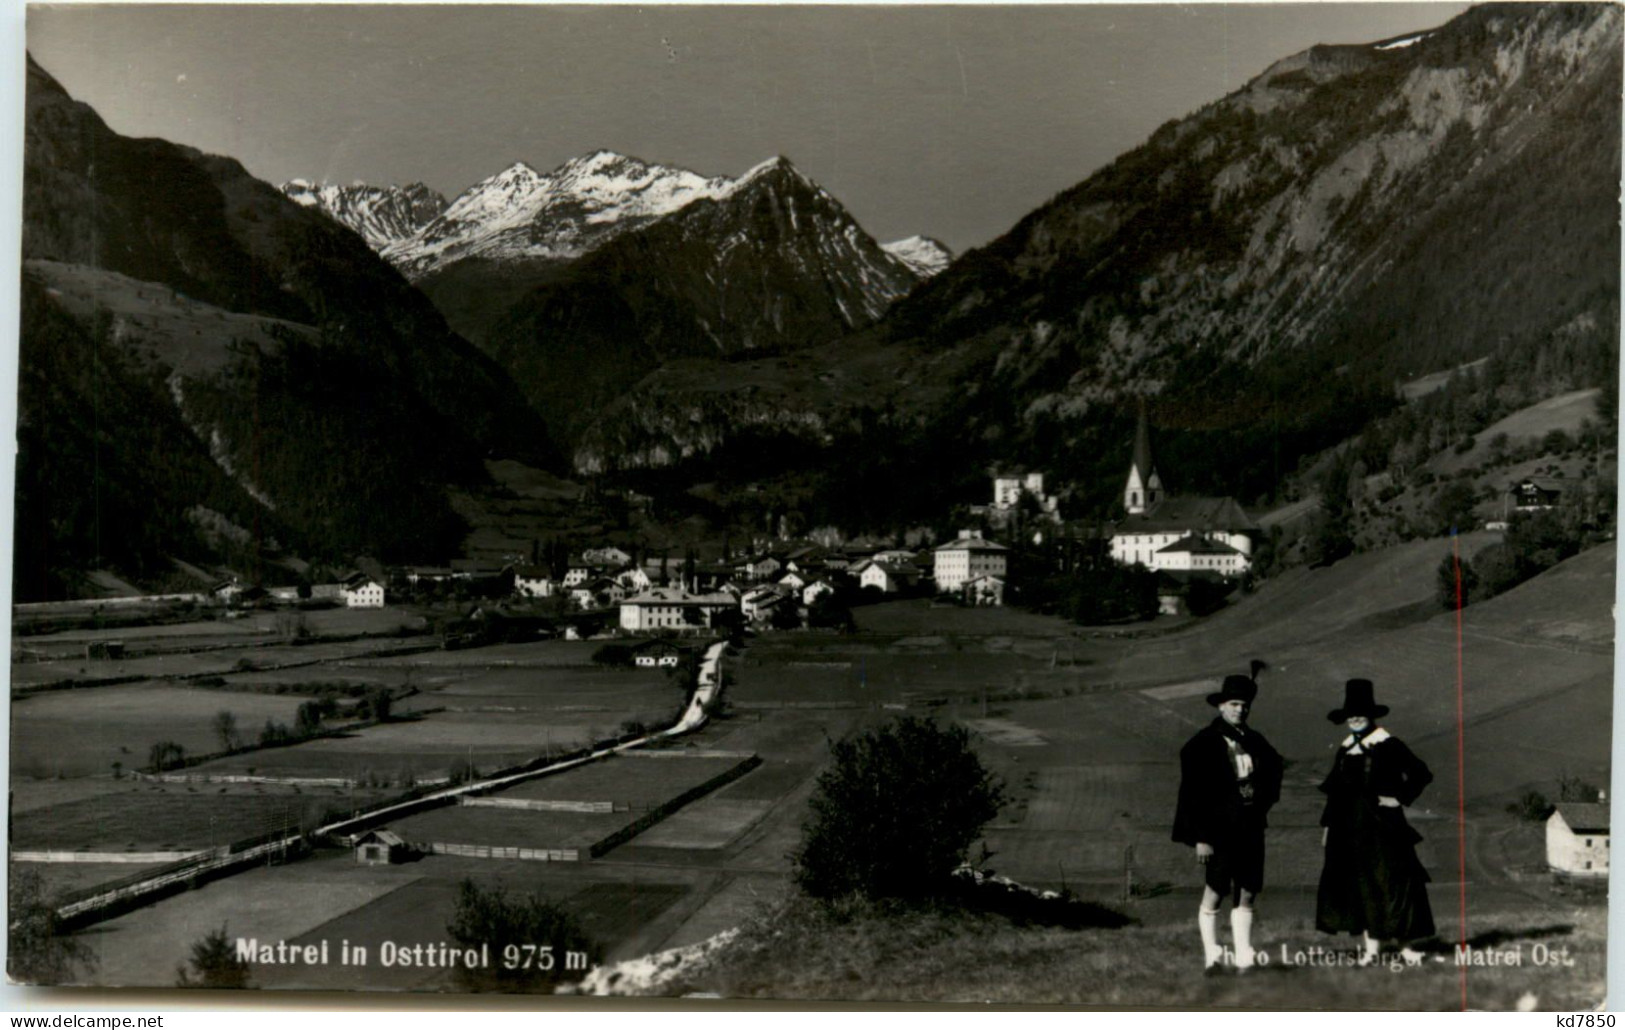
<point>667,608</point>
<point>1577,839</point>
<point>1163,533</point>
<point>363,592</point>
<point>959,561</point>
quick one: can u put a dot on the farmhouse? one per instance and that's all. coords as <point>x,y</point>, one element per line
<point>985,591</point>
<point>762,567</point>
<point>657,654</point>
<point>1155,521</point>
<point>891,577</point>
<point>1193,553</point>
<point>759,602</point>
<point>816,589</point>
<point>597,593</point>
<point>1577,839</point>
<point>362,591</point>
<point>612,556</point>
<point>809,558</point>
<point>473,570</point>
<point>379,847</point>
<point>1534,495</point>
<point>669,609</point>
<point>416,574</point>
<point>576,575</point>
<point>634,579</point>
<point>533,581</point>
<point>1009,488</point>
<point>957,562</point>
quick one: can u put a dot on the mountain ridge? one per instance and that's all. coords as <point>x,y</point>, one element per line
<point>340,359</point>
<point>1260,271</point>
<point>381,214</point>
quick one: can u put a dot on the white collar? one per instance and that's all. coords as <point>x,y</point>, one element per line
<point>1376,736</point>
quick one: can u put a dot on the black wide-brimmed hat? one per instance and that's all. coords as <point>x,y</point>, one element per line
<point>1357,700</point>
<point>1235,688</point>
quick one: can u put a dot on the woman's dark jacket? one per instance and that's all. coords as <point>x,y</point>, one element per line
<point>1211,808</point>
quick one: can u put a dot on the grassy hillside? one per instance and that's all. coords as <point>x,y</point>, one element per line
<point>931,957</point>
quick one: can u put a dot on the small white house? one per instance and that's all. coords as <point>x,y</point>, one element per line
<point>634,579</point>
<point>985,591</point>
<point>793,580</point>
<point>759,601</point>
<point>533,581</point>
<point>363,592</point>
<point>760,568</point>
<point>814,590</point>
<point>1577,839</point>
<point>880,576</point>
<point>576,575</point>
<point>605,556</point>
<point>379,847</point>
<point>657,654</point>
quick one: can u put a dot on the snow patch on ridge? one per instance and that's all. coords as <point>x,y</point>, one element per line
<point>924,256</point>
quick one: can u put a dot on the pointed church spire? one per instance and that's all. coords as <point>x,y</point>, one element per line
<point>1144,487</point>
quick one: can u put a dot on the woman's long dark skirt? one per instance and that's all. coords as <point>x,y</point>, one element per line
<point>1372,881</point>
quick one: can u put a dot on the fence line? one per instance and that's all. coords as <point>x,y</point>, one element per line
<point>107,857</point>
<point>104,901</point>
<point>533,805</point>
<point>487,851</point>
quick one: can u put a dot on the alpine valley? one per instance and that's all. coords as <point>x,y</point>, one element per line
<point>321,369</point>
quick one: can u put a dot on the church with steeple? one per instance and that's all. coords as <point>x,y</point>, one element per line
<point>1180,534</point>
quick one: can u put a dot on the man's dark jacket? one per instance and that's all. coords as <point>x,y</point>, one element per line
<point>1210,808</point>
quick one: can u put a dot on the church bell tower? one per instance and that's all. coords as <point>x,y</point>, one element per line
<point>1144,489</point>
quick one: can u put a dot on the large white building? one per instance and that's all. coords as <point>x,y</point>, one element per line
<point>672,609</point>
<point>1200,554</point>
<point>959,561</point>
<point>1162,533</point>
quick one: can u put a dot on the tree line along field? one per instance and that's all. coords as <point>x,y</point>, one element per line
<point>496,712</point>
<point>182,817</point>
<point>82,733</point>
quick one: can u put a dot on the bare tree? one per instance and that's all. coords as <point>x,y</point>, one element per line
<point>225,727</point>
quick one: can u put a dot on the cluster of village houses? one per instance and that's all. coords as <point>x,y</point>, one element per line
<point>1181,537</point>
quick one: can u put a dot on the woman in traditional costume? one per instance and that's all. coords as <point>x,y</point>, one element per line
<point>1372,883</point>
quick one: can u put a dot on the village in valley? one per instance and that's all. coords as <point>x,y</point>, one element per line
<point>429,724</point>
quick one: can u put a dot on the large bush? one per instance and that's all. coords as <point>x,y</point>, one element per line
<point>895,812</point>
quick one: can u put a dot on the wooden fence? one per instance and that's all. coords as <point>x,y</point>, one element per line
<point>484,851</point>
<point>534,805</point>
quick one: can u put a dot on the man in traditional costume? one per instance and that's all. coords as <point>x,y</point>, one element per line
<point>1229,778</point>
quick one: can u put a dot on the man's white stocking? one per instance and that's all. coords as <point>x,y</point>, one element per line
<point>1207,920</point>
<point>1241,926</point>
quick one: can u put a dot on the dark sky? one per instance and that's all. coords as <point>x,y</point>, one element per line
<point>947,121</point>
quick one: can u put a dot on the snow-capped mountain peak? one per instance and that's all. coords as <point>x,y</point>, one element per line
<point>923,255</point>
<point>381,214</point>
<point>521,214</point>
